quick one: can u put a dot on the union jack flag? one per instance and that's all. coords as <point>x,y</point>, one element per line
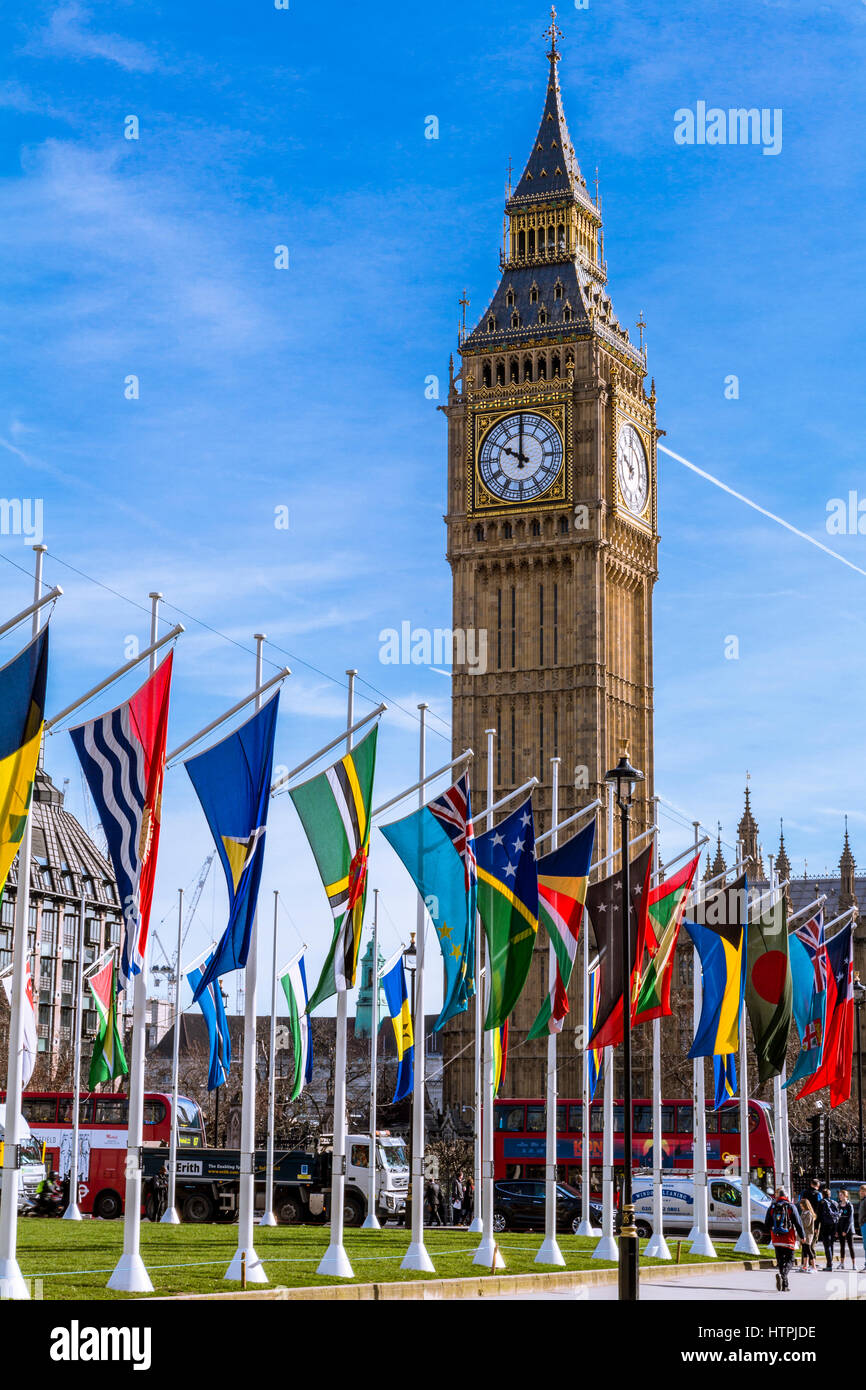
<point>812,937</point>
<point>453,810</point>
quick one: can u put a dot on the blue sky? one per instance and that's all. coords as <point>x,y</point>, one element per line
<point>304,388</point>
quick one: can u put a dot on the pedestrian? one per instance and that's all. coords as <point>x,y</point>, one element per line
<point>845,1227</point>
<point>469,1205</point>
<point>828,1214</point>
<point>861,1220</point>
<point>429,1202</point>
<point>810,1226</point>
<point>783,1225</point>
<point>457,1199</point>
<point>160,1193</point>
<point>441,1208</point>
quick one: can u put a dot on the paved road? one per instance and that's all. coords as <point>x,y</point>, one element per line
<point>751,1285</point>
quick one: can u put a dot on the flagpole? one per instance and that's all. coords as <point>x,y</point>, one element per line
<point>777,1080</point>
<point>657,1246</point>
<point>335,1261</point>
<point>245,1262</point>
<point>371,1220</point>
<point>701,1243</point>
<point>549,1252</point>
<point>267,1217</point>
<point>746,1245</point>
<point>607,1249</point>
<point>476,1225</point>
<point>72,1212</point>
<point>783,1137</point>
<point>170,1216</point>
<point>31,608</point>
<point>586,1227</point>
<point>488,1252</point>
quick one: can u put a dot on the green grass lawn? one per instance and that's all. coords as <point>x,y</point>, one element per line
<point>75,1260</point>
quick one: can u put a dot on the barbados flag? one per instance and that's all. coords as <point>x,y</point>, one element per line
<point>394,984</point>
<point>233,783</point>
<point>22,713</point>
<point>720,937</point>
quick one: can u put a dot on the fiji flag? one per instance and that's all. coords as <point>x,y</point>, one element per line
<point>233,783</point>
<point>394,984</point>
<point>210,1001</point>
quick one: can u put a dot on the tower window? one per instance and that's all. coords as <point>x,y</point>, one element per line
<point>500,373</point>
<point>513,629</point>
<point>533,295</point>
<point>513,759</point>
<point>514,370</point>
<point>561,236</point>
<point>509,298</point>
<point>479,532</point>
<point>491,324</point>
<point>551,238</point>
<point>507,531</point>
<point>499,752</point>
<point>542,315</point>
<point>535,528</point>
<point>556,367</point>
<point>542,369</point>
<point>498,633</point>
<point>541,740</point>
<point>515,319</point>
<point>532,241</point>
<point>521,244</point>
<point>485,374</point>
<point>557,290</point>
<point>566,314</point>
<point>541,624</point>
<point>555,641</point>
<point>563,525</point>
<point>527,369</point>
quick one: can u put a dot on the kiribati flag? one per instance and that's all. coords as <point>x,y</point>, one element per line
<point>123,757</point>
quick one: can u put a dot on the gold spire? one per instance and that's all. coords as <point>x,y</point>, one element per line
<point>553,33</point>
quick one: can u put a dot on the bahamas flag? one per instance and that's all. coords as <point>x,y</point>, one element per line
<point>334,808</point>
<point>233,783</point>
<point>508,904</point>
<point>719,936</point>
<point>594,1052</point>
<point>725,1077</point>
<point>500,1056</point>
<point>563,876</point>
<point>394,985</point>
<point>22,712</point>
<point>210,1001</point>
<point>428,850</point>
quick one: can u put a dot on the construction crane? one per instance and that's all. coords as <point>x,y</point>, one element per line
<point>169,968</point>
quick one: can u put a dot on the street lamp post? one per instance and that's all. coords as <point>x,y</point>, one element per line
<point>624,777</point>
<point>859,996</point>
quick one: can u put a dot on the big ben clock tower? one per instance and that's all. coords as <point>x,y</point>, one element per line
<point>552,536</point>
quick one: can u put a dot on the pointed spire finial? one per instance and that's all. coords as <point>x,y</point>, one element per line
<point>553,33</point>
<point>641,325</point>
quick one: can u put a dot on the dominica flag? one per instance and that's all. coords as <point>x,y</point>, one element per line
<point>22,712</point>
<point>719,935</point>
<point>394,985</point>
<point>500,1056</point>
<point>563,876</point>
<point>294,982</point>
<point>768,988</point>
<point>107,1061</point>
<point>232,780</point>
<point>661,929</point>
<point>508,905</point>
<point>334,808</point>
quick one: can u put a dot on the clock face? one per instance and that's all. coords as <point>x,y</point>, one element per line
<point>520,457</point>
<point>631,469</point>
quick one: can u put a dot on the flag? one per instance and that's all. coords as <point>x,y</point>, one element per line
<point>594,1054</point>
<point>563,876</point>
<point>500,1056</point>
<point>725,1077</point>
<point>334,808</point>
<point>718,937</point>
<point>664,915</point>
<point>30,1045</point>
<point>122,754</point>
<point>808,954</point>
<point>294,983</point>
<point>768,988</point>
<point>835,1067</point>
<point>604,905</point>
<point>427,847</point>
<point>22,712</point>
<point>394,985</point>
<point>454,811</point>
<point>210,1001</point>
<point>508,904</point>
<point>107,1060</point>
<point>232,780</point>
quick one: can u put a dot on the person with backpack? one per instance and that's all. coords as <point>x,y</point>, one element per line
<point>845,1227</point>
<point>784,1226</point>
<point>828,1216</point>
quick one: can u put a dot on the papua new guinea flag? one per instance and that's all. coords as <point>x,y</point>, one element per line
<point>22,712</point>
<point>664,915</point>
<point>604,905</point>
<point>563,876</point>
<point>719,935</point>
<point>232,780</point>
<point>508,905</point>
<point>768,988</point>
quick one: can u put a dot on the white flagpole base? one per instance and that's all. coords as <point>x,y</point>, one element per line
<point>130,1276</point>
<point>416,1258</point>
<point>549,1253</point>
<point>169,1217</point>
<point>607,1249</point>
<point>335,1262</point>
<point>72,1213</point>
<point>702,1245</point>
<point>489,1254</point>
<point>747,1245</point>
<point>267,1218</point>
<point>371,1222</point>
<point>12,1284</point>
<point>657,1248</point>
<point>476,1226</point>
<point>255,1271</point>
<point>586,1228</point>
<point>693,1233</point>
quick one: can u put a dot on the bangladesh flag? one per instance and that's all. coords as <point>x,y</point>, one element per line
<point>563,876</point>
<point>334,808</point>
<point>665,907</point>
<point>769,991</point>
<point>108,1060</point>
<point>508,906</point>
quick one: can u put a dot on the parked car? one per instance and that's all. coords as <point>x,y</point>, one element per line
<point>519,1206</point>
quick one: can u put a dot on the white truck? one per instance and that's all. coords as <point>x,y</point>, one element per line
<point>724,1203</point>
<point>32,1169</point>
<point>392,1181</point>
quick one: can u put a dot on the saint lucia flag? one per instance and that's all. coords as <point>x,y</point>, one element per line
<point>294,982</point>
<point>210,1001</point>
<point>394,985</point>
<point>725,1077</point>
<point>233,783</point>
<point>22,711</point>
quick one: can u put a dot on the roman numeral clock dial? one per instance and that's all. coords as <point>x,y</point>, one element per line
<point>631,470</point>
<point>521,456</point>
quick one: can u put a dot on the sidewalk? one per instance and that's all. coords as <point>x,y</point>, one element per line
<point>715,1286</point>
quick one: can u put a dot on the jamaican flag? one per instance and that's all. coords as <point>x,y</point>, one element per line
<point>769,992</point>
<point>508,906</point>
<point>334,808</point>
<point>22,712</point>
<point>661,928</point>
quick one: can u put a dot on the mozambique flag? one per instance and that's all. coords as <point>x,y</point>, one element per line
<point>22,712</point>
<point>508,905</point>
<point>664,915</point>
<point>394,985</point>
<point>769,991</point>
<point>233,783</point>
<point>594,1054</point>
<point>719,937</point>
<point>108,1060</point>
<point>725,1078</point>
<point>604,905</point>
<point>563,876</point>
<point>334,808</point>
<point>836,1056</point>
<point>500,1056</point>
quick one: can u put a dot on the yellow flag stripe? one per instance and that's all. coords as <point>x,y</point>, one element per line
<point>357,797</point>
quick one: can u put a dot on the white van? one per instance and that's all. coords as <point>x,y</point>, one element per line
<point>32,1169</point>
<point>724,1200</point>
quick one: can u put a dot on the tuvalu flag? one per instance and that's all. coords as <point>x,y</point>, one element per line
<point>232,780</point>
<point>836,1057</point>
<point>768,988</point>
<point>508,904</point>
<point>394,985</point>
<point>563,877</point>
<point>334,808</point>
<point>665,907</point>
<point>719,935</point>
<point>22,713</point>
<point>107,1060</point>
<point>808,955</point>
<point>604,905</point>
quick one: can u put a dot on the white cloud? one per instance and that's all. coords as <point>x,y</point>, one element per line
<point>67,34</point>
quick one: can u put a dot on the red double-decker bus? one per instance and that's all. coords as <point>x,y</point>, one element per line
<point>519,1138</point>
<point>102,1137</point>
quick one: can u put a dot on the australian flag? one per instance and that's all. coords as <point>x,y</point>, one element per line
<point>453,810</point>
